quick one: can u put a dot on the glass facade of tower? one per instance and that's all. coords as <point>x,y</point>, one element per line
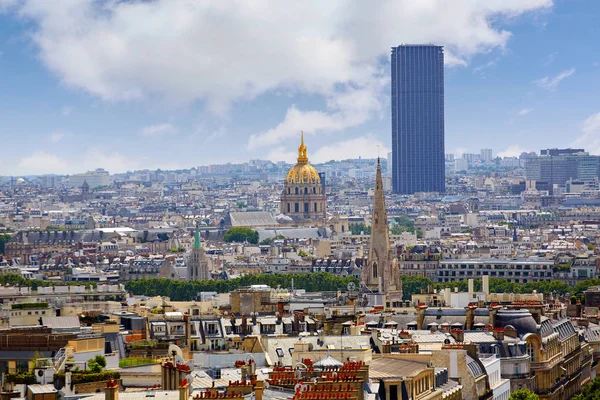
<point>418,119</point>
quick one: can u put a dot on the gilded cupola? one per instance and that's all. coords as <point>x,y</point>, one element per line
<point>302,172</point>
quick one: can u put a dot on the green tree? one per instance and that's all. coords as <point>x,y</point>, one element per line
<point>413,285</point>
<point>591,391</point>
<point>240,234</point>
<point>96,364</point>
<point>404,221</point>
<point>187,290</point>
<point>523,394</point>
<point>4,237</point>
<point>358,229</point>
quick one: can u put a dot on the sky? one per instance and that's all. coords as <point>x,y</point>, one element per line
<point>133,84</point>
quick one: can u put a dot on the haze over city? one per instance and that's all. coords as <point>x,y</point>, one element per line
<point>175,84</point>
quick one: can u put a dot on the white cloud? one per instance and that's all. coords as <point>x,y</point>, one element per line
<point>158,130</point>
<point>481,68</point>
<point>512,151</point>
<point>459,151</point>
<point>344,109</point>
<point>56,137</point>
<point>220,52</point>
<point>590,138</point>
<point>41,163</point>
<point>524,111</point>
<point>550,59</point>
<point>551,83</point>
<point>364,146</point>
<point>114,162</point>
<point>280,153</point>
<point>66,111</point>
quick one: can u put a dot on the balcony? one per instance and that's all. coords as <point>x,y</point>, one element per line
<point>548,364</point>
<point>559,384</point>
<point>525,375</point>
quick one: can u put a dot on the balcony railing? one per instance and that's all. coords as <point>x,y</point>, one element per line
<point>555,387</point>
<point>548,364</point>
<point>525,375</point>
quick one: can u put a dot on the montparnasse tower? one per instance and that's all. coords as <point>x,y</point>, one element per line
<point>303,197</point>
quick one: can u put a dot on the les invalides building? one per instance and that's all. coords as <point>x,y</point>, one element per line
<point>303,197</point>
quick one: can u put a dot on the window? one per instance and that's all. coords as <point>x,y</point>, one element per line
<point>531,352</point>
<point>315,207</point>
<point>305,190</point>
<point>296,190</point>
<point>22,366</point>
<point>288,204</point>
<point>314,190</point>
<point>305,207</point>
<point>296,207</point>
<point>211,328</point>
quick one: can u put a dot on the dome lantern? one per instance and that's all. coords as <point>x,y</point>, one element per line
<point>302,172</point>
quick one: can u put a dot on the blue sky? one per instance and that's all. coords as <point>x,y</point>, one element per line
<point>173,84</point>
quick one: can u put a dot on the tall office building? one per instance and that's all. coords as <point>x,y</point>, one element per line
<point>557,166</point>
<point>418,119</point>
<point>487,155</point>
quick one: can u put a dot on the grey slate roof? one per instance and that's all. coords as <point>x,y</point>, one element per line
<point>250,219</point>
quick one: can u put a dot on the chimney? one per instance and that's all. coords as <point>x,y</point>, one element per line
<point>186,321</point>
<point>470,309</point>
<point>259,389</point>
<point>111,391</point>
<point>420,315</point>
<point>244,371</point>
<point>184,390</point>
<point>493,311</point>
<point>499,333</point>
<point>485,284</point>
<point>244,329</point>
<point>386,348</point>
<point>471,291</point>
<point>510,332</point>
<point>296,322</point>
<point>458,335</point>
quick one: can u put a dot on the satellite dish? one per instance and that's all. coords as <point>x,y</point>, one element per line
<point>351,286</point>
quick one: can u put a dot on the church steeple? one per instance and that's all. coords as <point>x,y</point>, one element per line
<point>197,244</point>
<point>380,273</point>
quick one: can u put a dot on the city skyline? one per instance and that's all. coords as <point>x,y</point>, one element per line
<point>179,96</point>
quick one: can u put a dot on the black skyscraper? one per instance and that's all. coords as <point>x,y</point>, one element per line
<point>418,119</point>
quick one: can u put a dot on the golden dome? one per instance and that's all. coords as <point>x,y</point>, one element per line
<point>302,172</point>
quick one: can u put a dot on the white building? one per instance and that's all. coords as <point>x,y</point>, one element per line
<point>487,155</point>
<point>94,179</point>
<point>500,387</point>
